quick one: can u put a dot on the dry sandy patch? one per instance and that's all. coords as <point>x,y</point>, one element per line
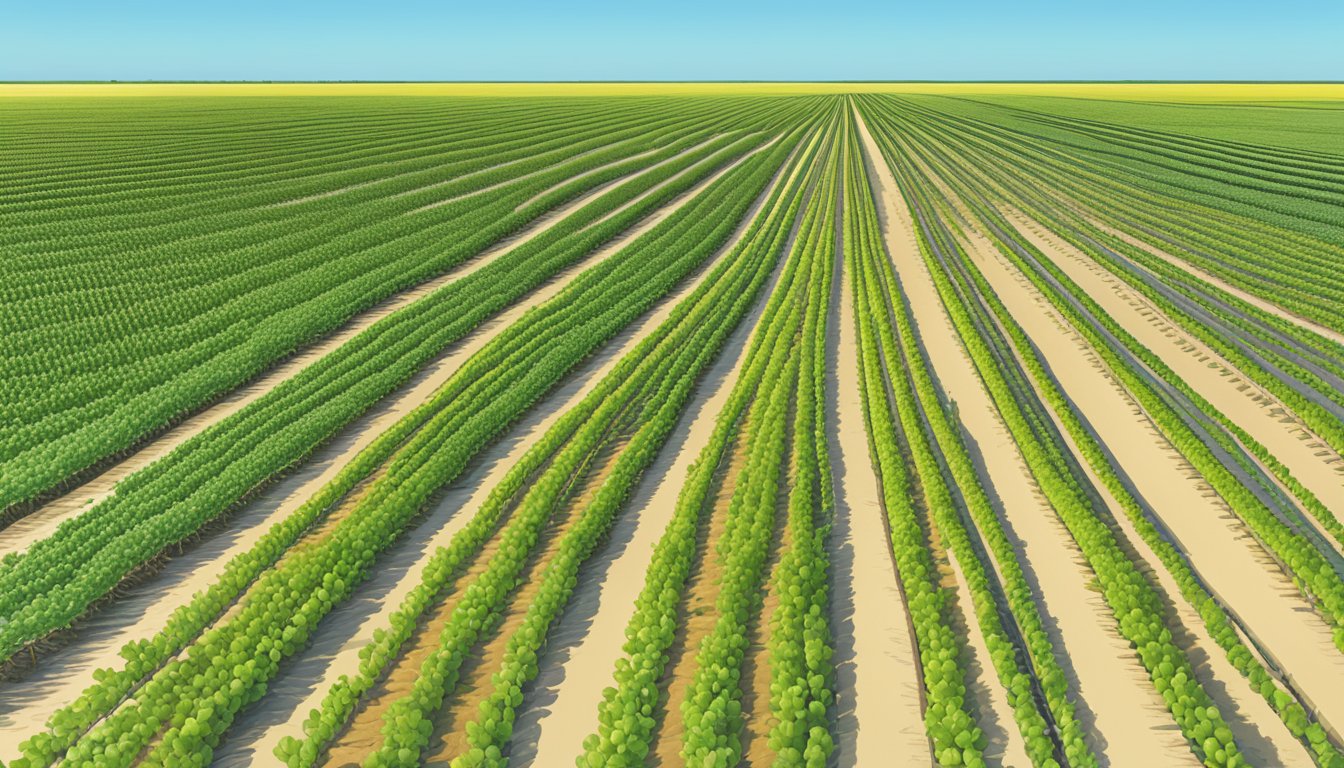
<point>879,694</point>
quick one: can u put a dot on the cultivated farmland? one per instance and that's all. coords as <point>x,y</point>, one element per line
<point>707,425</point>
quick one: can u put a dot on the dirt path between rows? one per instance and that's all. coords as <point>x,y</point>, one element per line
<point>1219,547</point>
<point>1123,715</point>
<point>1252,408</point>
<point>756,672</point>
<point>1006,746</point>
<point>698,615</point>
<point>462,706</point>
<point>879,698</point>
<point>576,177</point>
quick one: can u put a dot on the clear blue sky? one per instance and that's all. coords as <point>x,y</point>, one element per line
<point>688,40</point>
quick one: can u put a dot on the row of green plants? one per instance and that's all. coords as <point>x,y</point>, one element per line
<point>272,149</point>
<point>704,329</point>
<point>245,149</point>
<point>1234,186</point>
<point>1283,529</point>
<point>629,711</point>
<point>802,673</point>
<point>183,710</point>
<point>1271,161</point>
<point>773,473</point>
<point>1215,616</point>
<point>1196,234</point>
<point>255,189</point>
<point>176,313</point>
<point>1278,265</point>
<point>955,737</point>
<point>1285,535</point>
<point>146,478</point>
<point>145,656</point>
<point>188,322</point>
<point>1234,439</point>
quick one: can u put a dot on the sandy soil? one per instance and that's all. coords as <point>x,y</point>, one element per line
<point>334,648</point>
<point>341,190</point>
<point>42,522</point>
<point>364,732</point>
<point>1220,548</point>
<point>1004,745</point>
<point>656,188</point>
<point>989,700</point>
<point>757,719</point>
<point>1257,411</point>
<point>1125,717</point>
<point>463,705</point>
<point>605,166</point>
<point>25,705</point>
<point>560,706</point>
<point>697,620</point>
<point>879,696</point>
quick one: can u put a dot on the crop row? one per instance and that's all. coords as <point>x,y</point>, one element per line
<point>951,726</point>
<point>189,620</point>
<point>802,675</point>
<point>693,338</point>
<point>1313,360</point>
<point>1276,264</point>
<point>774,472</point>
<point>1283,530</point>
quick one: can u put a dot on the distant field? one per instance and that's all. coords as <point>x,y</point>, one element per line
<point>672,424</point>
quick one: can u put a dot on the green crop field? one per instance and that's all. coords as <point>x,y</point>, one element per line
<point>657,425</point>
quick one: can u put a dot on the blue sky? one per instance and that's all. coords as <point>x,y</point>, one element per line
<point>689,40</point>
